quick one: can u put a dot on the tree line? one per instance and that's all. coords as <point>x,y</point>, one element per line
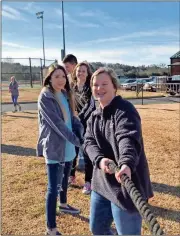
<point>135,71</point>
<point>23,72</point>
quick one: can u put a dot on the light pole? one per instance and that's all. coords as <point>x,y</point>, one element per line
<point>40,16</point>
<point>64,48</point>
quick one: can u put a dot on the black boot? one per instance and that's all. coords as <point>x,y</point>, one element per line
<point>19,107</point>
<point>15,108</point>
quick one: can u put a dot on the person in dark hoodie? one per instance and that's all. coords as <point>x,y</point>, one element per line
<point>59,132</point>
<point>85,105</point>
<point>114,134</point>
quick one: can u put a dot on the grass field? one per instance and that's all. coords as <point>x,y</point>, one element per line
<point>31,94</point>
<point>24,176</point>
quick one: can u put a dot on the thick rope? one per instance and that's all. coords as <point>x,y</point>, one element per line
<point>138,201</point>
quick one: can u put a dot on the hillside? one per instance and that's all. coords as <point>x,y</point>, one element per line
<point>10,68</point>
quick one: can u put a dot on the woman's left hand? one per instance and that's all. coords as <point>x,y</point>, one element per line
<point>124,170</point>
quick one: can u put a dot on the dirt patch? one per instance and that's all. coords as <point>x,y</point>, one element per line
<point>24,175</point>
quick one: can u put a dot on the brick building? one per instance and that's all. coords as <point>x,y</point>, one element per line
<point>175,64</point>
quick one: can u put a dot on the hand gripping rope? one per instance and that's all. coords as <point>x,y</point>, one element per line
<point>138,202</point>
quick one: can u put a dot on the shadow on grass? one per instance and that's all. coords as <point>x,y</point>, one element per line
<point>17,150</point>
<point>30,112</point>
<point>73,186</point>
<point>152,108</point>
<point>29,117</point>
<point>83,218</point>
<point>165,99</point>
<point>167,189</point>
<point>164,213</point>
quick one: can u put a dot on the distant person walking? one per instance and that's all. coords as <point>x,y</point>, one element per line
<point>70,62</point>
<point>13,89</point>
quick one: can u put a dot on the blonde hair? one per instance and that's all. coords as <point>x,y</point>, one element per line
<point>109,72</point>
<point>13,77</point>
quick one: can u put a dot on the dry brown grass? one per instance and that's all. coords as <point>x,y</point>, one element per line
<point>24,177</point>
<point>25,95</point>
<point>31,94</point>
<point>132,94</point>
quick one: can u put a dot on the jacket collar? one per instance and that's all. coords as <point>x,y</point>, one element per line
<point>109,108</point>
<point>48,93</point>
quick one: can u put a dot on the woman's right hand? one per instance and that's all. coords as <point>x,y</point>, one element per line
<point>104,165</point>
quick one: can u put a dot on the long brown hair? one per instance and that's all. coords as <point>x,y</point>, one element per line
<point>74,78</point>
<point>47,84</point>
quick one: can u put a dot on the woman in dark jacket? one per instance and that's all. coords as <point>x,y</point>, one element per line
<point>14,90</point>
<point>114,134</point>
<point>85,105</point>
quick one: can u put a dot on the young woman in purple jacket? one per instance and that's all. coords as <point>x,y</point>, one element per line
<point>59,132</point>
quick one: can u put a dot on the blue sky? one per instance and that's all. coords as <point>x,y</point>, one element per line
<point>138,33</point>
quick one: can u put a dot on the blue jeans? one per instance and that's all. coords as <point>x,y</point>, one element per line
<point>14,99</point>
<point>102,214</point>
<point>55,177</point>
<point>63,192</point>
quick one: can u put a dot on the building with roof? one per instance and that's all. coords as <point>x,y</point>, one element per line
<point>175,64</point>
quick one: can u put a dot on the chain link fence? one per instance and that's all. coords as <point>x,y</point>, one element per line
<point>29,72</point>
<point>148,88</point>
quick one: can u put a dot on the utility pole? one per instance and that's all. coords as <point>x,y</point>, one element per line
<point>64,47</point>
<point>40,16</point>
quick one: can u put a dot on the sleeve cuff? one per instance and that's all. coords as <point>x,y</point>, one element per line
<point>132,167</point>
<point>97,161</point>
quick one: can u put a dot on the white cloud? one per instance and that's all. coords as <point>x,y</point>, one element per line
<point>103,18</point>
<point>11,10</point>
<point>87,25</point>
<point>134,35</point>
<point>30,7</point>
<point>87,14</point>
<point>12,13</point>
<point>8,15</point>
<point>134,55</point>
<point>69,19</point>
<point>14,45</point>
<point>53,26</point>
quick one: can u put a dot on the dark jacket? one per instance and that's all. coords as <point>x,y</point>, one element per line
<point>13,87</point>
<point>53,132</point>
<point>115,133</point>
<point>85,103</point>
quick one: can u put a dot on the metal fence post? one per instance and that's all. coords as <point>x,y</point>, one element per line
<point>41,72</point>
<point>136,89</point>
<point>30,70</point>
<point>62,54</point>
<point>142,92</point>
